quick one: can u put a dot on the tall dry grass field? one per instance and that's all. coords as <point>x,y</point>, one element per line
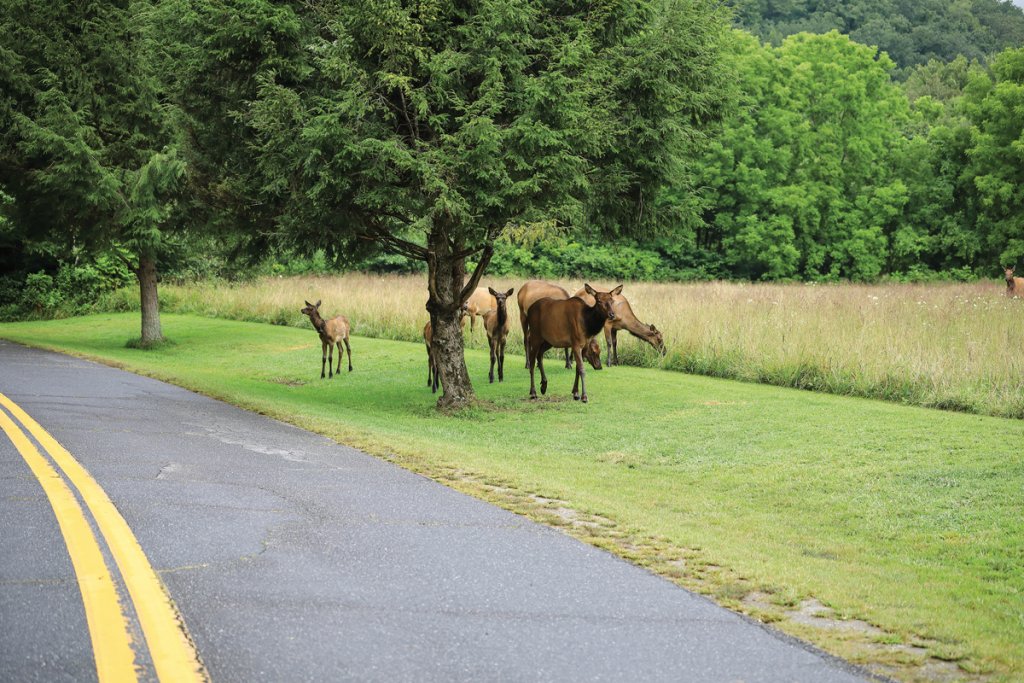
<point>956,346</point>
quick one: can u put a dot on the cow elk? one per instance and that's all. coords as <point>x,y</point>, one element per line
<point>531,291</point>
<point>568,323</point>
<point>332,333</point>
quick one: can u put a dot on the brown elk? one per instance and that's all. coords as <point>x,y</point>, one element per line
<point>624,320</point>
<point>496,325</point>
<point>568,323</point>
<point>479,303</point>
<point>433,379</point>
<point>531,291</point>
<point>1014,285</point>
<point>332,332</point>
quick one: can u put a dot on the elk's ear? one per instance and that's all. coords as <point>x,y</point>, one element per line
<point>308,304</point>
<point>653,328</point>
<point>590,290</point>
<point>617,290</point>
<point>510,290</point>
<point>491,290</point>
<point>317,304</point>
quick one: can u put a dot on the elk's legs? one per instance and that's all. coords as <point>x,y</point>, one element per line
<point>581,375</point>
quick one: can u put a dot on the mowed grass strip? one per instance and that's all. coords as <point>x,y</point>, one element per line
<point>907,518</point>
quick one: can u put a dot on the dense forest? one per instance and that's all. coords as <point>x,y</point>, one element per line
<point>911,32</point>
<point>819,141</point>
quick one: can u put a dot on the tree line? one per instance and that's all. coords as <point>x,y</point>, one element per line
<point>910,32</point>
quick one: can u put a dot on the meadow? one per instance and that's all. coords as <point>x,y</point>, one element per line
<point>886,534</point>
<point>952,346</point>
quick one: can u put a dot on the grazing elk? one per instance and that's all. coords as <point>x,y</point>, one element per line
<point>332,332</point>
<point>531,291</point>
<point>568,323</point>
<point>496,325</point>
<point>624,320</point>
<point>428,336</point>
<point>1014,285</point>
<point>480,302</point>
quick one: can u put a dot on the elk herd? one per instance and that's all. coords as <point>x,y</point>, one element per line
<point>549,317</point>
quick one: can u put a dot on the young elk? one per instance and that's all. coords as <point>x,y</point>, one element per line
<point>496,325</point>
<point>1014,285</point>
<point>433,379</point>
<point>625,320</point>
<point>332,332</point>
<point>569,323</point>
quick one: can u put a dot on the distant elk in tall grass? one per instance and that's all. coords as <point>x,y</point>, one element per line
<point>624,320</point>
<point>568,323</point>
<point>1014,285</point>
<point>433,379</point>
<point>332,332</point>
<point>496,325</point>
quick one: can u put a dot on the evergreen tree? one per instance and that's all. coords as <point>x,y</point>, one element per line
<point>85,151</point>
<point>431,128</point>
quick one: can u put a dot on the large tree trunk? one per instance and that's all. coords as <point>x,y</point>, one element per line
<point>446,273</point>
<point>146,273</point>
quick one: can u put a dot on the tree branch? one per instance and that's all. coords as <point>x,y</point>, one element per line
<point>474,280</point>
<point>396,244</point>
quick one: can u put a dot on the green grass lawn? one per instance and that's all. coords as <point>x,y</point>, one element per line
<point>909,519</point>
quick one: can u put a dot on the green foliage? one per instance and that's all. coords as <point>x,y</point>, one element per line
<point>800,184</point>
<point>84,149</point>
<point>72,290</point>
<point>910,33</point>
<point>621,260</point>
<point>997,156</point>
<point>369,119</point>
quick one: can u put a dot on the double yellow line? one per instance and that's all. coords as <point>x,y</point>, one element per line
<point>173,655</point>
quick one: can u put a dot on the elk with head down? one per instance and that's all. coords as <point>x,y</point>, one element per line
<point>1014,285</point>
<point>568,323</point>
<point>332,332</point>
<point>531,291</point>
<point>496,325</point>
<point>625,320</point>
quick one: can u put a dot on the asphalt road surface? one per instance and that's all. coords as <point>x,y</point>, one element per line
<point>292,558</point>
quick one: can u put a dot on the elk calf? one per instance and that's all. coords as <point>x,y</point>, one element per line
<point>496,325</point>
<point>332,332</point>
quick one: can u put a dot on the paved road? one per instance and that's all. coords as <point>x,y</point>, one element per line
<point>291,558</point>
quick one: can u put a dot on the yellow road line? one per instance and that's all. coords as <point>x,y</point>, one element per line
<point>174,656</point>
<point>108,626</point>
